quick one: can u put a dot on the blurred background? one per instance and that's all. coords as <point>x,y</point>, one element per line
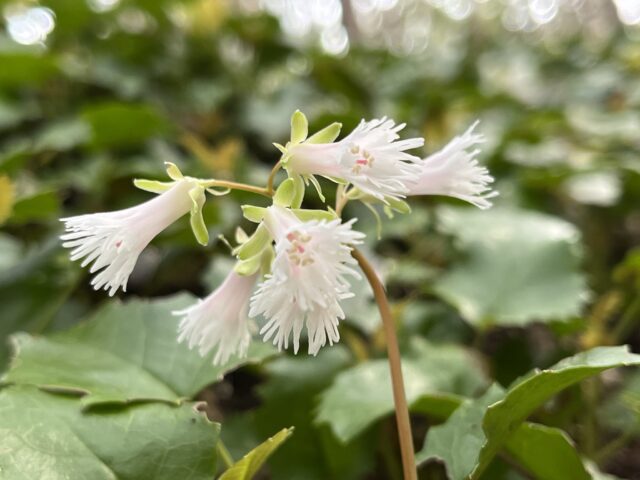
<point>94,93</point>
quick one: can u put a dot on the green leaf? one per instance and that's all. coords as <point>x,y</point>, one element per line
<point>41,206</point>
<point>494,421</point>
<point>299,127</point>
<point>49,281</point>
<point>528,394</point>
<point>122,125</point>
<point>22,69</point>
<point>44,435</point>
<point>513,260</point>
<point>198,226</point>
<point>249,465</point>
<point>289,397</point>
<point>361,395</point>
<point>62,135</point>
<point>327,135</point>
<point>124,352</point>
<point>548,453</point>
<point>458,441</point>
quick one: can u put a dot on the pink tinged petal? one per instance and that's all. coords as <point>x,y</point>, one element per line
<point>306,284</point>
<point>112,241</point>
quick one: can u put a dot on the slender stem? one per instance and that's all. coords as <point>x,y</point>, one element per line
<point>625,325</point>
<point>239,186</point>
<point>272,177</point>
<point>613,447</point>
<point>393,352</point>
<point>224,454</point>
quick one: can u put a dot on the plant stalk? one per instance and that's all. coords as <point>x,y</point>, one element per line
<point>239,186</point>
<point>224,454</point>
<point>393,353</point>
<point>272,177</point>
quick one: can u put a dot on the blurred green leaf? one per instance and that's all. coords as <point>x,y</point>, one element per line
<point>123,353</point>
<point>41,206</point>
<point>514,258</point>
<point>248,466</point>
<point>361,395</point>
<point>121,125</point>
<point>62,135</point>
<point>45,435</point>
<point>21,69</point>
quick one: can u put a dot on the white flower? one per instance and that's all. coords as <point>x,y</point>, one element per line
<point>371,158</point>
<point>113,240</point>
<point>455,172</point>
<point>220,320</point>
<point>307,281</point>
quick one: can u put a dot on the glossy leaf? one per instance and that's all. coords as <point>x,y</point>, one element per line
<point>124,352</point>
<point>44,435</point>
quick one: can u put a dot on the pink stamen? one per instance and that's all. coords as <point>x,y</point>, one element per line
<point>362,161</point>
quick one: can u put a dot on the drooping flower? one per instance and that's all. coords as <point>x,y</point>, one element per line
<point>308,279</point>
<point>220,321</point>
<point>454,171</point>
<point>114,240</point>
<point>371,158</point>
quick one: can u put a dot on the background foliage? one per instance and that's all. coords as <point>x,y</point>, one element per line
<point>482,299</point>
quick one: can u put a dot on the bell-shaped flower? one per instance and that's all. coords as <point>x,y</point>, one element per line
<point>114,240</point>
<point>371,158</point>
<point>308,279</point>
<point>220,321</point>
<point>454,171</point>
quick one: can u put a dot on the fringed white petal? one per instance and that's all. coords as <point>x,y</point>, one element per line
<point>112,241</point>
<point>454,171</point>
<point>309,278</point>
<point>220,321</point>
<point>371,158</point>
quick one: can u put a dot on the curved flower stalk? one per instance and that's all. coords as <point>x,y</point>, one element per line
<point>220,321</point>
<point>307,280</point>
<point>371,158</point>
<point>114,240</point>
<point>454,171</point>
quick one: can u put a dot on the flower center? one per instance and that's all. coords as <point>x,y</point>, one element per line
<point>298,251</point>
<point>364,159</point>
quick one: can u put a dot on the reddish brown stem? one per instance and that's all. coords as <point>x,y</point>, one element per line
<point>395,365</point>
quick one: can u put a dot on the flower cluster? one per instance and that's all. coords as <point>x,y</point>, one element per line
<point>295,269</point>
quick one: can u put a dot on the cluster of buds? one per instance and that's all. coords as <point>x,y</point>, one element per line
<point>294,270</point>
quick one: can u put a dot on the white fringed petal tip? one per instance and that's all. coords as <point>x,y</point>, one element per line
<point>454,171</point>
<point>112,241</point>
<point>220,321</point>
<point>308,280</point>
